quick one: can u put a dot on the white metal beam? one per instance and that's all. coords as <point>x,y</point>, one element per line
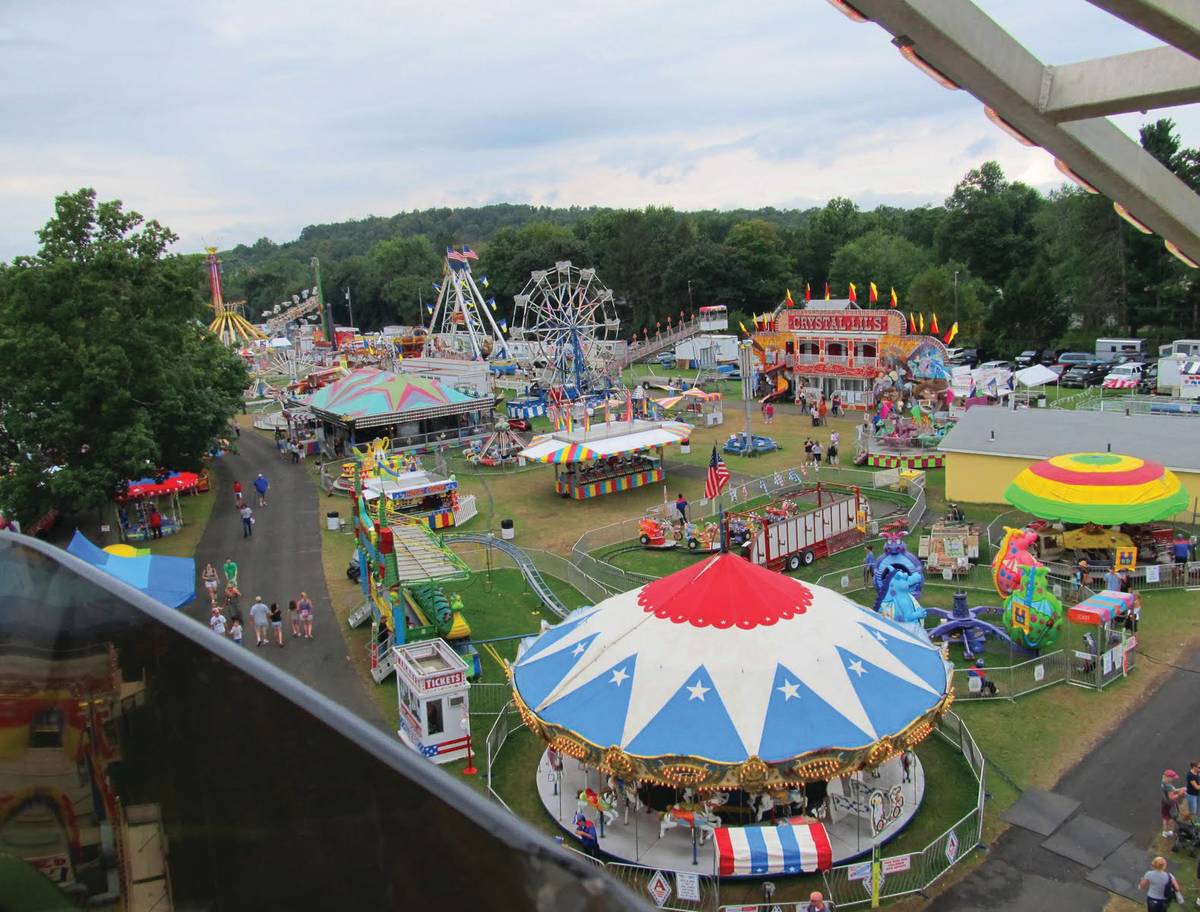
<point>1175,22</point>
<point>1140,81</point>
<point>959,40</point>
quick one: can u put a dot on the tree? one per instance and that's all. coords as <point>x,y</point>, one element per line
<point>513,253</point>
<point>888,260</point>
<point>988,224</point>
<point>762,263</point>
<point>934,291</point>
<point>828,230</point>
<point>109,369</point>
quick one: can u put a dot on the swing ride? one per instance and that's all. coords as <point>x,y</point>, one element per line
<point>462,321</point>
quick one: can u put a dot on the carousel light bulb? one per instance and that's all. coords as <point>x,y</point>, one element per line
<point>1079,181</point>
<point>1132,219</point>
<point>1174,250</point>
<point>1007,127</point>
<point>909,53</point>
<point>848,11</point>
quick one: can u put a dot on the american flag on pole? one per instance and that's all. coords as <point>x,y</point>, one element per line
<point>718,476</point>
<point>468,253</point>
<point>454,256</point>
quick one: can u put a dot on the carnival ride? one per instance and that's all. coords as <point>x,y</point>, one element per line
<point>962,624</point>
<point>501,447</point>
<point>228,324</point>
<point>401,566</point>
<point>657,534</point>
<point>462,321</point>
<point>1033,614</point>
<point>687,697</point>
<point>138,499</point>
<point>741,444</point>
<point>568,316</point>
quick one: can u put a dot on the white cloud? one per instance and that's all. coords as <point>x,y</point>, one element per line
<point>230,120</point>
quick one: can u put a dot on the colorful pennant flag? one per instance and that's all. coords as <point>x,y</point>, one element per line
<point>827,291</point>
<point>484,282</point>
<point>874,294</point>
<point>912,323</point>
<point>492,304</point>
<point>788,299</point>
<point>893,301</point>
<point>933,327</point>
<point>952,333</point>
<point>921,322</point>
<point>807,292</point>
<point>853,295</point>
<point>743,326</point>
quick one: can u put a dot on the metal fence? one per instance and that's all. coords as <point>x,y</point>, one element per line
<point>489,699</point>
<point>553,565</point>
<point>507,720</point>
<point>684,886</point>
<point>852,884</point>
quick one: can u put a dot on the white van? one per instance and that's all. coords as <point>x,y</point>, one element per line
<point>1116,349</point>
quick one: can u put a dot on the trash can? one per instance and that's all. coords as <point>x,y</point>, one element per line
<point>507,532</point>
<point>333,521</point>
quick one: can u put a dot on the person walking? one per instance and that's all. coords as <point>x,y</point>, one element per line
<point>295,453</point>
<point>869,566</point>
<point>817,903</point>
<point>237,493</point>
<point>681,505</point>
<point>1080,578</point>
<point>231,572</point>
<point>216,621</point>
<point>247,520</point>
<point>1160,885</point>
<point>816,455</point>
<point>210,582</point>
<point>275,616</point>
<point>823,410</point>
<point>807,450</point>
<point>1112,580</point>
<point>235,630</point>
<point>260,485</point>
<point>1192,789</point>
<point>769,412</point>
<point>305,606</point>
<point>260,616</point>
<point>1169,805</point>
<point>294,617</point>
<point>835,440</point>
<point>906,762</point>
<point>1123,578</point>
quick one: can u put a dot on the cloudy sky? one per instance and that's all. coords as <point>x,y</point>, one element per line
<point>233,119</point>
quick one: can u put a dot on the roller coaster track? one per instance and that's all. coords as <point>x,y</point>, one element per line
<point>524,563</point>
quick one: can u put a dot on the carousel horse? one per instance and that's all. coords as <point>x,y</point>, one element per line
<point>604,804</point>
<point>768,802</point>
<point>694,818</point>
<point>628,793</point>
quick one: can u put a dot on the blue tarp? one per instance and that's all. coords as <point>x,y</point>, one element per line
<point>170,580</point>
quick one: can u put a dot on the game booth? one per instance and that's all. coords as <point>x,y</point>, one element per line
<point>138,500</point>
<point>607,457</point>
<point>686,720</point>
<point>1105,639</point>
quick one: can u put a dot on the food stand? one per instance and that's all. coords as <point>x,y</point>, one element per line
<point>950,546</point>
<point>607,457</point>
<point>138,499</point>
<point>417,493</point>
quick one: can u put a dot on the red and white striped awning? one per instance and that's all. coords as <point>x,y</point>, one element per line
<point>790,848</point>
<point>1120,383</point>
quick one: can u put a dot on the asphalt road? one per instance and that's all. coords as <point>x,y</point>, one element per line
<point>281,559</point>
<point>1117,784</point>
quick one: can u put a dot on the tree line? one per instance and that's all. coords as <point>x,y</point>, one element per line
<point>1016,268</point>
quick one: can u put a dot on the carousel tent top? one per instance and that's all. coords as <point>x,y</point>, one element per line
<point>372,397</point>
<point>726,664</point>
<point>1103,488</point>
<point>170,580</point>
<point>611,438</point>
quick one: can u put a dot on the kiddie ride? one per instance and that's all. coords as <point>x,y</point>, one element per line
<point>752,445</point>
<point>657,534</point>
<point>1032,613</point>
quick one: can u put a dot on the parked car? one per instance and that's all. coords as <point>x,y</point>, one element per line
<point>954,355</point>
<point>996,365</point>
<point>665,359</point>
<point>1084,375</point>
<point>1029,357</point>
<point>1131,371</point>
<point>969,357</point>
<point>1070,359</point>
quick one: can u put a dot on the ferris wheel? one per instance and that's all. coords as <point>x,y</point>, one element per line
<point>566,319</point>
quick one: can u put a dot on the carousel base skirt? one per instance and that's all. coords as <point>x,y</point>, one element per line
<point>638,842</point>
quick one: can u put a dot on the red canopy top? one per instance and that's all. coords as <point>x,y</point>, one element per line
<point>148,487</point>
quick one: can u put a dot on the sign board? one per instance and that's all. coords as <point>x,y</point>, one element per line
<point>687,886</point>
<point>852,321</point>
<point>897,864</point>
<point>659,889</point>
<point>443,680</point>
<point>860,871</point>
<point>1152,573</point>
<point>1039,672</point>
<point>952,847</point>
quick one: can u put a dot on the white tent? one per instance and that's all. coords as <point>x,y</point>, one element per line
<point>1037,375</point>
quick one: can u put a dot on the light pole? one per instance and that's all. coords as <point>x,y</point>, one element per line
<point>956,296</point>
<point>691,306</point>
<point>350,305</point>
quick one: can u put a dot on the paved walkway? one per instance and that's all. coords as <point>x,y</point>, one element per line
<point>1117,784</point>
<point>281,559</point>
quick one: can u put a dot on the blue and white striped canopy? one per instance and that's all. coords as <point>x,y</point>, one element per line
<point>725,661</point>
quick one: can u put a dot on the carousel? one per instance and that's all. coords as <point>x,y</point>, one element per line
<point>139,500</point>
<point>724,697</point>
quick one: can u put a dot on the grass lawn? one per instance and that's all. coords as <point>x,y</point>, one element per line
<point>196,510</point>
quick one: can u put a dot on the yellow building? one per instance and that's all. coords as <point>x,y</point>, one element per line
<point>988,447</point>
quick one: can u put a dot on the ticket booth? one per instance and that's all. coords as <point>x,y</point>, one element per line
<point>431,683</point>
<point>1104,646</point>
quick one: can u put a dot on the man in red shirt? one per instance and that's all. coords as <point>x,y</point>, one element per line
<point>155,522</point>
<point>237,493</point>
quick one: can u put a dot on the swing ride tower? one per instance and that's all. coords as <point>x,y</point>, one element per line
<point>462,320</point>
<point>228,324</point>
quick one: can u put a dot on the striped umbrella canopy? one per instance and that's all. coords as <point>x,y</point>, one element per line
<point>1103,488</point>
<point>572,452</point>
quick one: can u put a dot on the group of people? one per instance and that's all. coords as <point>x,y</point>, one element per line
<point>226,619</point>
<point>813,451</point>
<point>247,515</point>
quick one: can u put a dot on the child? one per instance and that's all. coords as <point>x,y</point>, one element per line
<point>235,630</point>
<point>769,411</point>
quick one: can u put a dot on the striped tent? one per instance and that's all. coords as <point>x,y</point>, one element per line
<point>791,848</point>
